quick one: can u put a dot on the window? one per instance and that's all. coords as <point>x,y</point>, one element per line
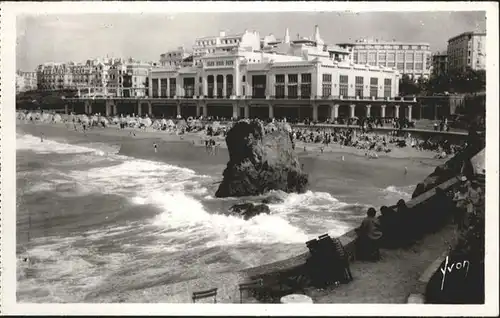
<point>419,66</point>
<point>419,57</point>
<point>362,58</point>
<point>401,66</point>
<point>292,91</point>
<point>387,87</point>
<point>391,56</point>
<point>374,87</point>
<point>305,78</point>
<point>280,91</point>
<point>280,78</point>
<point>210,63</point>
<point>401,56</point>
<point>292,78</point>
<point>327,90</point>
<point>219,63</point>
<point>372,56</point>
<point>200,80</point>
<point>409,57</point>
<point>409,65</point>
<point>382,56</point>
<point>243,79</point>
<point>355,58</point>
<point>344,85</point>
<point>229,62</point>
<point>327,78</point>
<point>173,87</point>
<point>359,86</point>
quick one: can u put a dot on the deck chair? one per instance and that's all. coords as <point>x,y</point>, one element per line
<point>205,294</point>
<point>250,286</point>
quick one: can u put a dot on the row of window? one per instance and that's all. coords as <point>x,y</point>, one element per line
<point>372,56</point>
<point>394,47</point>
<point>293,78</point>
<point>213,42</point>
<point>220,63</point>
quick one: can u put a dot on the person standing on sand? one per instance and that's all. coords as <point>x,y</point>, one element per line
<point>41,138</point>
<point>155,146</point>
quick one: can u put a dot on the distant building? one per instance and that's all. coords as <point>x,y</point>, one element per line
<point>225,43</point>
<point>176,58</point>
<point>128,78</point>
<point>412,59</point>
<point>26,81</point>
<point>467,50</point>
<point>439,64</point>
<point>54,76</point>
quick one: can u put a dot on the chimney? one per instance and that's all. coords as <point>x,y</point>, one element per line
<point>316,33</point>
<point>222,33</point>
<point>287,36</point>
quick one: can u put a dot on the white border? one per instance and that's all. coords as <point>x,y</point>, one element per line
<point>8,56</point>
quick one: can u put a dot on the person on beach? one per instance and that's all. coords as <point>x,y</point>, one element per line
<point>41,138</point>
<point>155,146</point>
<point>462,201</point>
<point>475,196</point>
<point>388,226</point>
<point>368,236</point>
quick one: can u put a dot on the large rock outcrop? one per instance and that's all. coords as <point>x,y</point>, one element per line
<point>260,161</point>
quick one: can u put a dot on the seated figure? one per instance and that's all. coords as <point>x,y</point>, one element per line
<point>367,242</point>
<point>389,227</point>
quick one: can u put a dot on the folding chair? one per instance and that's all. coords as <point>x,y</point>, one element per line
<point>205,294</point>
<point>250,286</point>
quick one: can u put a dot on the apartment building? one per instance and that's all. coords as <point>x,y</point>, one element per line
<point>467,50</point>
<point>25,81</point>
<point>439,64</point>
<point>408,58</point>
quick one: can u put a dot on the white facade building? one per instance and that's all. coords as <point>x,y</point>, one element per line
<point>467,50</point>
<point>412,59</point>
<point>223,42</point>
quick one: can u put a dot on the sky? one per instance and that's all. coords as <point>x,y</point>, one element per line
<point>78,37</point>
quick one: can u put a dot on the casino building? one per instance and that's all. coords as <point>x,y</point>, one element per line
<point>296,79</point>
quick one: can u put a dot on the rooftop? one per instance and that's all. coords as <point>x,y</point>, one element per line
<point>470,33</point>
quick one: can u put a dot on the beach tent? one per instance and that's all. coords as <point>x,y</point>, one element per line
<point>157,124</point>
<point>271,127</point>
<point>195,123</point>
<point>215,125</point>
<point>181,124</point>
<point>478,163</point>
<point>104,120</point>
<point>147,121</point>
<point>57,118</point>
<point>169,123</point>
<point>84,119</point>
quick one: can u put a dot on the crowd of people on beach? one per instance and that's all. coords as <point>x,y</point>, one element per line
<point>213,128</point>
<point>401,226</point>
